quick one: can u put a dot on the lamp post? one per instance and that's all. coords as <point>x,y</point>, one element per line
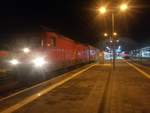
<point>123,7</point>
<point>113,41</point>
<point>110,41</point>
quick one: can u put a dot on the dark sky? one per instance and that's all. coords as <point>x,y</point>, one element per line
<point>77,19</point>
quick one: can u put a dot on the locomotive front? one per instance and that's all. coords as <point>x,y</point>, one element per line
<point>28,64</point>
<point>34,59</point>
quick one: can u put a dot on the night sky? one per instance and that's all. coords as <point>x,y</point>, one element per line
<point>77,19</point>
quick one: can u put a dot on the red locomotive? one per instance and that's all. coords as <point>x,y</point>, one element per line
<point>55,52</point>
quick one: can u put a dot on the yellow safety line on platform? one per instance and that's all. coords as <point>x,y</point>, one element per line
<point>103,64</point>
<point>139,70</point>
<point>27,89</point>
<point>33,97</point>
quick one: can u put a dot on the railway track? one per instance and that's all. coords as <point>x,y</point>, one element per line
<point>10,85</point>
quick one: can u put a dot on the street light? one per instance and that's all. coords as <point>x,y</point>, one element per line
<point>115,34</point>
<point>102,9</point>
<point>105,34</point>
<point>117,40</point>
<point>123,7</point>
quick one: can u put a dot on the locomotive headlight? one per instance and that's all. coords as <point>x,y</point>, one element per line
<point>26,50</point>
<point>14,62</point>
<point>39,61</point>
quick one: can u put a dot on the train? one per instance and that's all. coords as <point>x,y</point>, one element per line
<point>54,52</point>
<point>141,56</point>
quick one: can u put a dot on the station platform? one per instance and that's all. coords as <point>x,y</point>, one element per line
<point>94,88</point>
